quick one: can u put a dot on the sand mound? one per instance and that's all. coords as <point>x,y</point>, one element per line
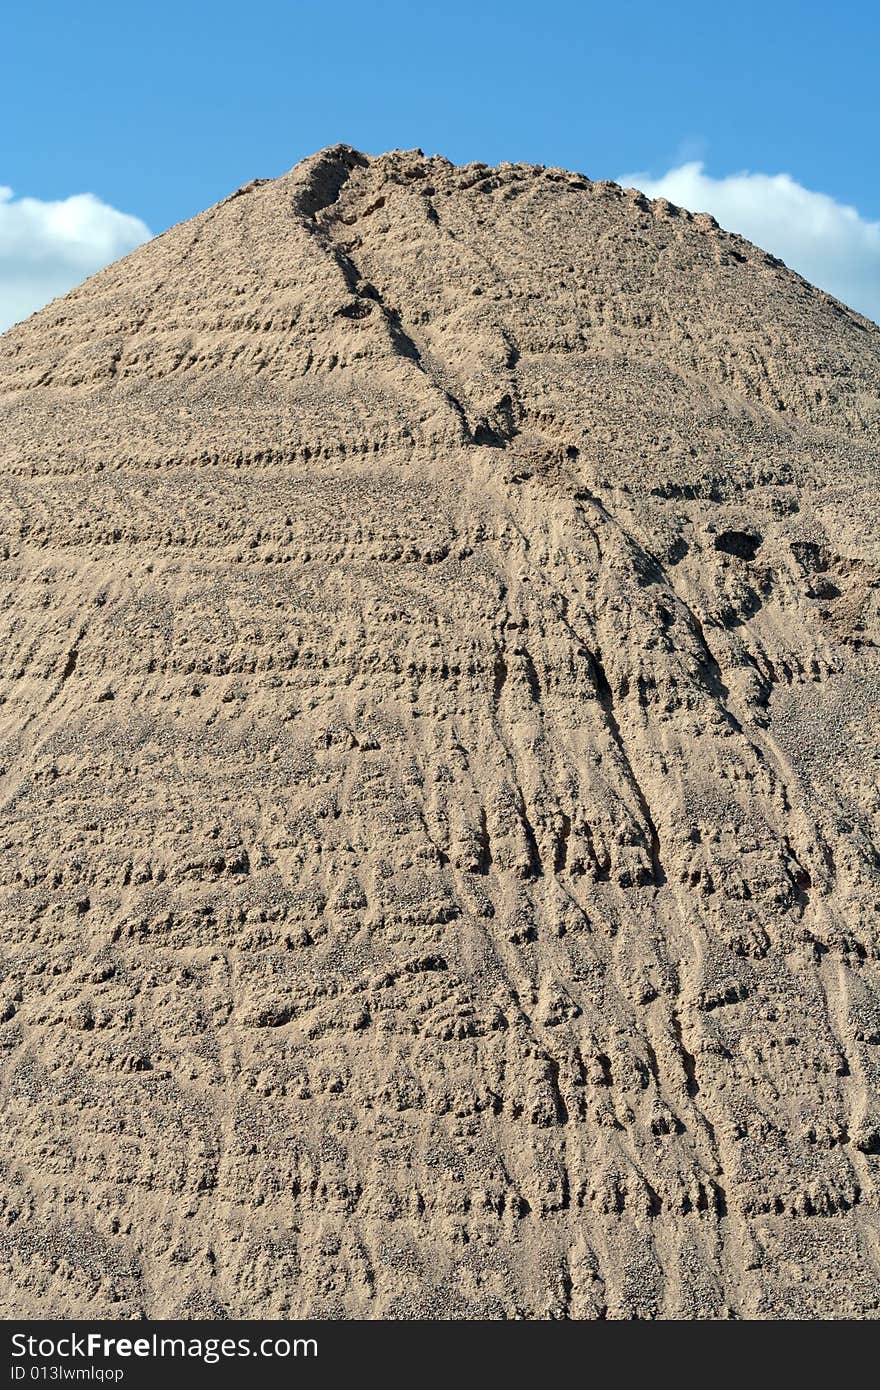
<point>438,765</point>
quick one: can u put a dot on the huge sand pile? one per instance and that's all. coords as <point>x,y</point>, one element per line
<point>439,765</point>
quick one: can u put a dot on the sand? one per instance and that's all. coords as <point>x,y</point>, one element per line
<point>438,765</point>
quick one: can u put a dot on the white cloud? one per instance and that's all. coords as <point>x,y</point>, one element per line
<point>823,240</point>
<point>48,247</point>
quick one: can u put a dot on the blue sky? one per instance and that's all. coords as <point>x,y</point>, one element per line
<point>159,109</point>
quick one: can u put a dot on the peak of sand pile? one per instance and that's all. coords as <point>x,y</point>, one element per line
<point>438,765</point>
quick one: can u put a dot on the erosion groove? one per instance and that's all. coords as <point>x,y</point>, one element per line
<point>438,765</point>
